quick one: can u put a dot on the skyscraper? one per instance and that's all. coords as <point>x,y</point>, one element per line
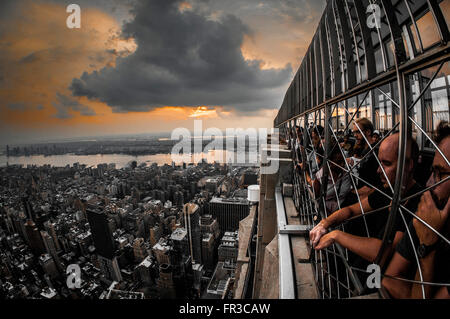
<point>229,212</point>
<point>101,233</point>
<point>50,228</point>
<point>34,238</point>
<point>191,214</point>
<point>104,243</point>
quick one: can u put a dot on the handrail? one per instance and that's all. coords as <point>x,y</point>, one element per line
<point>286,268</point>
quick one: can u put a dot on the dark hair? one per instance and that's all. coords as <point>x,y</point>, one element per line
<point>318,129</point>
<point>365,124</point>
<point>442,132</point>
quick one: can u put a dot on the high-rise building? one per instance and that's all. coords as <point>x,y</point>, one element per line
<point>48,265</point>
<point>34,238</point>
<point>191,214</point>
<point>165,282</point>
<point>229,212</point>
<point>50,228</point>
<point>50,248</point>
<point>145,271</point>
<point>104,244</point>
<point>110,268</point>
<point>209,225</point>
<point>139,249</point>
<point>101,233</point>
<point>28,209</point>
<point>229,247</point>
<point>161,251</point>
<point>208,245</point>
<point>180,243</point>
<point>48,243</point>
<point>155,234</point>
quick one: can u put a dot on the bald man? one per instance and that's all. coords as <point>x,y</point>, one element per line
<point>432,252</point>
<point>368,247</point>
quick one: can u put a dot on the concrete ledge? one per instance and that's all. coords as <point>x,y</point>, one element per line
<point>243,260</point>
<point>269,285</point>
<point>304,275</point>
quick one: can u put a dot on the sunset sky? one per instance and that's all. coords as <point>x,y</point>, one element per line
<point>144,66</point>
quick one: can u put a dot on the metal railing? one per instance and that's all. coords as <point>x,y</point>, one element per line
<point>405,99</point>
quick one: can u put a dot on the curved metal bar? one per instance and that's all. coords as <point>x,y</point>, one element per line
<point>406,280</point>
<point>419,268</point>
<point>427,86</point>
<point>376,157</point>
<point>399,57</point>
<point>356,189</point>
<point>426,189</point>
<point>423,132</point>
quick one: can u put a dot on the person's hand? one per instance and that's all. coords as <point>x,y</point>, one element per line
<point>434,217</point>
<point>327,240</point>
<point>316,233</point>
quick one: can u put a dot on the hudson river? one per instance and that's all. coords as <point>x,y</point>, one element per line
<point>119,159</point>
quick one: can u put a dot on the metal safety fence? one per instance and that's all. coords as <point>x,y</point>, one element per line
<point>366,118</point>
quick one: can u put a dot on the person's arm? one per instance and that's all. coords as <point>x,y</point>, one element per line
<point>365,247</point>
<point>365,191</point>
<point>436,218</point>
<point>442,293</point>
<point>398,267</point>
<point>405,290</point>
<point>345,213</point>
<point>337,218</point>
<point>427,266</point>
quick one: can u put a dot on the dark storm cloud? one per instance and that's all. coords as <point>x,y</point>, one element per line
<point>17,106</point>
<point>30,58</point>
<point>183,58</point>
<point>65,104</point>
<point>297,10</point>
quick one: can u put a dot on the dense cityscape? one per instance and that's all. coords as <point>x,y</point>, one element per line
<point>141,232</point>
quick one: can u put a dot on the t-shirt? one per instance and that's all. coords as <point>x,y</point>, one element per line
<point>314,161</point>
<point>341,187</point>
<point>377,221</point>
<point>442,257</point>
<point>368,170</point>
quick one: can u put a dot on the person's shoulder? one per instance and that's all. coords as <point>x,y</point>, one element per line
<point>415,189</point>
<point>378,197</point>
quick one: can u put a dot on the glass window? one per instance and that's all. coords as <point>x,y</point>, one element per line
<point>389,47</point>
<point>383,107</point>
<point>379,60</point>
<point>445,8</point>
<point>434,106</point>
<point>428,31</point>
<point>366,106</point>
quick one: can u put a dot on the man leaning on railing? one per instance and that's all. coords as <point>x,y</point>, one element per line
<point>432,251</point>
<point>367,247</point>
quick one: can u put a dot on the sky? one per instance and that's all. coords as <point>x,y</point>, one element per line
<point>146,66</point>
